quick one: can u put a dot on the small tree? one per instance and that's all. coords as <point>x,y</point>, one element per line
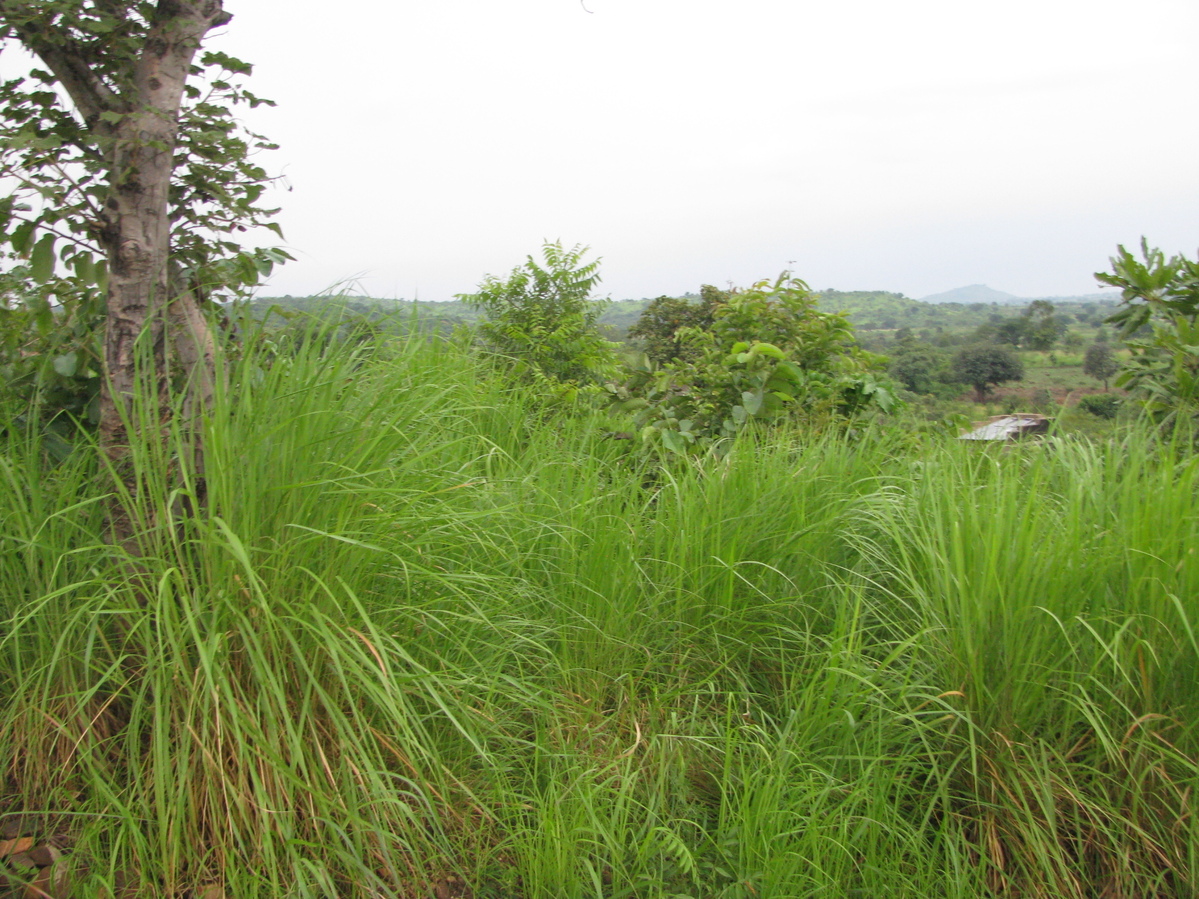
<point>985,364</point>
<point>1042,326</point>
<point>542,318</point>
<point>1160,296</point>
<point>769,354</point>
<point>125,181</point>
<point>1100,362</point>
<point>662,321</point>
<point>918,367</point>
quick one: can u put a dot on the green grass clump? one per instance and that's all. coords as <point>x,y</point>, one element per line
<point>411,632</point>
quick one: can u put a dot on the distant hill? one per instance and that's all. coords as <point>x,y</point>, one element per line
<point>974,293</point>
<point>980,293</point>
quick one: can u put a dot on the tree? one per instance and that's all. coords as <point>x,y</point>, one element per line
<point>1159,321</point>
<point>1100,362</point>
<point>917,367</point>
<point>662,321</point>
<point>1011,331</point>
<point>985,364</point>
<point>132,179</point>
<point>769,354</point>
<point>1042,326</point>
<point>542,318</point>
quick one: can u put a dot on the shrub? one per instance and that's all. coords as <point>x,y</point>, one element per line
<point>1163,296</point>
<point>1101,405</point>
<point>662,321</point>
<point>769,354</point>
<point>542,318</point>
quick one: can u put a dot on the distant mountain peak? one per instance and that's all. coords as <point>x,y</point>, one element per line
<point>973,293</point>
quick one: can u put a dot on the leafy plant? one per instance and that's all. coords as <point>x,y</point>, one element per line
<point>663,322</point>
<point>1163,295</point>
<point>769,354</point>
<point>128,187</point>
<point>542,320</point>
<point>1100,362</point>
<point>985,364</point>
<point>1101,405</point>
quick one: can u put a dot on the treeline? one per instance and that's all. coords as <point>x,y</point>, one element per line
<point>869,311</point>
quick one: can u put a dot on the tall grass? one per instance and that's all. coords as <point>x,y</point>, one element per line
<point>410,633</point>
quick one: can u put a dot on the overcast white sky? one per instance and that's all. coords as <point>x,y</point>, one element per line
<point>866,144</point>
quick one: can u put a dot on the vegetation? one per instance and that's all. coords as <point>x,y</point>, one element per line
<point>665,323</point>
<point>347,610</point>
<point>1162,297</point>
<point>768,355</point>
<point>420,640</point>
<point>128,182</point>
<point>1101,405</point>
<point>982,365</point>
<point>1100,362</point>
<point>543,321</point>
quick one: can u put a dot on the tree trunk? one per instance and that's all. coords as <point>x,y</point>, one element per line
<point>157,342</point>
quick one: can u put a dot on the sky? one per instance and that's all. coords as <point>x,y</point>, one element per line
<point>862,144</point>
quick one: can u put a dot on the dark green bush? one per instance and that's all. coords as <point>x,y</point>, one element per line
<point>1101,405</point>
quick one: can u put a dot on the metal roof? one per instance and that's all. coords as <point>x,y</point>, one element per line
<point>1007,427</point>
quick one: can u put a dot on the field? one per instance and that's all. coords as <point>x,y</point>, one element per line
<point>428,636</point>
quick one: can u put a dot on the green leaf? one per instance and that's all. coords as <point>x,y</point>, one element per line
<point>92,412</point>
<point>21,236</point>
<point>41,260</point>
<point>768,349</point>
<point>673,441</point>
<point>85,268</point>
<point>66,364</point>
<point>752,400</point>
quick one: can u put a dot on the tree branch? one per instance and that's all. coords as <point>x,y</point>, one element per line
<point>64,57</point>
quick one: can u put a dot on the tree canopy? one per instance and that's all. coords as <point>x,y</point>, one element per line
<point>1100,362</point>
<point>986,364</point>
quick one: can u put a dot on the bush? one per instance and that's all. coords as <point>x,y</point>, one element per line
<point>542,318</point>
<point>1101,405</point>
<point>1162,297</point>
<point>663,320</point>
<point>769,354</point>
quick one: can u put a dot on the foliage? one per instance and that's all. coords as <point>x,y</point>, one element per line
<point>1011,332</point>
<point>920,368</point>
<point>1101,405</point>
<point>58,161</point>
<point>541,318</point>
<point>1042,327</point>
<point>985,364</point>
<point>769,355</point>
<point>1100,362</point>
<point>418,643</point>
<point>662,321</point>
<point>1162,295</point>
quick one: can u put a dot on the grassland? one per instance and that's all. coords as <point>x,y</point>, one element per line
<point>427,637</point>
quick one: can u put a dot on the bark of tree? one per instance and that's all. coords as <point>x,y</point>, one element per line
<point>155,332</point>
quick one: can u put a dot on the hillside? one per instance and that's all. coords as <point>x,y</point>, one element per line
<point>973,293</point>
<point>868,310</point>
